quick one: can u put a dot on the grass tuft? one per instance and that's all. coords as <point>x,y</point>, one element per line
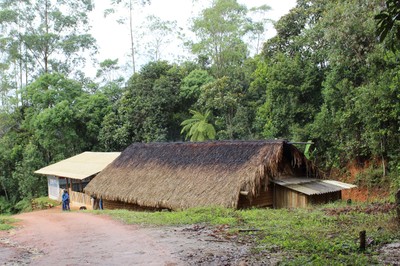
<point>6,222</point>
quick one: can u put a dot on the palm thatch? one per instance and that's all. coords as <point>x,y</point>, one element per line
<point>184,175</point>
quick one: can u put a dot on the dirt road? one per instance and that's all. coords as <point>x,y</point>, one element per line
<point>53,237</point>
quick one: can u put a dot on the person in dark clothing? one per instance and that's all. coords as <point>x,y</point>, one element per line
<point>101,203</point>
<point>65,201</point>
<point>94,201</point>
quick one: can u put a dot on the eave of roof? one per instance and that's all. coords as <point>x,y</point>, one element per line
<point>80,166</point>
<point>310,186</point>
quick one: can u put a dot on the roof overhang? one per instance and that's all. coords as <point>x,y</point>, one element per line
<point>80,166</point>
<point>311,186</point>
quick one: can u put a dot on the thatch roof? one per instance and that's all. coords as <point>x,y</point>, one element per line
<point>183,175</point>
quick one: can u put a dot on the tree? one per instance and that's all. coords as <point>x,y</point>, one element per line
<point>161,35</point>
<point>258,28</point>
<point>388,22</point>
<point>146,111</point>
<point>331,82</point>
<point>46,35</point>
<point>191,87</point>
<point>130,5</point>
<point>111,82</point>
<point>108,71</point>
<point>198,128</point>
<point>223,97</point>
<point>30,185</point>
<point>89,112</point>
<point>220,30</point>
<point>292,99</point>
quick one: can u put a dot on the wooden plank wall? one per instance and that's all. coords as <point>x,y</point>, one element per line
<point>265,199</point>
<point>80,199</point>
<point>326,197</point>
<point>119,205</point>
<point>287,198</point>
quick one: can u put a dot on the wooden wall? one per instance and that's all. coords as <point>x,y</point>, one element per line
<point>80,199</point>
<point>118,205</point>
<point>326,197</point>
<point>265,199</point>
<point>287,198</point>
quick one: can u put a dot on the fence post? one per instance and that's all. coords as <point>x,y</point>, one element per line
<point>398,205</point>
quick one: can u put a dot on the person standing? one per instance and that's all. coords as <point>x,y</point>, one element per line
<point>101,203</point>
<point>94,201</point>
<point>65,201</point>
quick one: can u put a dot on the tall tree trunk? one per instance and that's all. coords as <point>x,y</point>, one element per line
<point>46,49</point>
<point>131,31</point>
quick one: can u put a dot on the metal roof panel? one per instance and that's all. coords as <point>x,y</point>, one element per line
<point>80,166</point>
<point>310,186</point>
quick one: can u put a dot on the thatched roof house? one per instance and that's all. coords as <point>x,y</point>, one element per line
<point>183,175</point>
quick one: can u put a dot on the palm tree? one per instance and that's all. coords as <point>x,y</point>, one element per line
<point>198,127</point>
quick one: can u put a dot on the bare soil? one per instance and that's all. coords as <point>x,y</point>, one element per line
<point>360,194</point>
<point>53,237</point>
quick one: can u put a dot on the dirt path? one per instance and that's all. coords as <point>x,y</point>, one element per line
<point>53,237</point>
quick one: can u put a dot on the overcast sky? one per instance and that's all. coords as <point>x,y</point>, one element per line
<point>114,41</point>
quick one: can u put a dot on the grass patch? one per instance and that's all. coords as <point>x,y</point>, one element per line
<point>325,235</point>
<point>209,216</point>
<point>44,203</point>
<point>6,222</point>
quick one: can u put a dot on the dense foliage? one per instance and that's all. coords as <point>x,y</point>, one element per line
<point>324,77</point>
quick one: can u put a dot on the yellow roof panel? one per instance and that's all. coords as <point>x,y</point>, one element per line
<point>80,166</point>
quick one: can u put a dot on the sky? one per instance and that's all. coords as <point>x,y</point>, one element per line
<point>113,39</point>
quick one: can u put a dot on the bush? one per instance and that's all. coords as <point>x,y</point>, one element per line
<point>6,207</point>
<point>24,206</point>
<point>372,177</point>
<point>43,203</point>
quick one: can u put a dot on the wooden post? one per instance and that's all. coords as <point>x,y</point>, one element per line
<point>363,235</point>
<point>398,205</point>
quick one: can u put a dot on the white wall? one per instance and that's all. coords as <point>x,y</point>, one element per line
<point>53,185</point>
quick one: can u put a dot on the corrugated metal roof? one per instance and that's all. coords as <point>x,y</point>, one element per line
<point>340,184</point>
<point>310,186</point>
<point>80,166</point>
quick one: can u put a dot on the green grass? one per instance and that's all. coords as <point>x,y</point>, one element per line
<point>44,203</point>
<point>6,222</point>
<point>316,236</point>
<point>210,216</point>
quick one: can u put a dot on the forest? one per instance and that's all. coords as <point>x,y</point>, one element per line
<point>330,76</point>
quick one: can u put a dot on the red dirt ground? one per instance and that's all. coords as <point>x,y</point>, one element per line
<point>360,194</point>
<point>53,237</point>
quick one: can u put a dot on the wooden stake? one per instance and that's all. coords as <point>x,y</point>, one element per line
<point>398,205</point>
<point>363,235</point>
